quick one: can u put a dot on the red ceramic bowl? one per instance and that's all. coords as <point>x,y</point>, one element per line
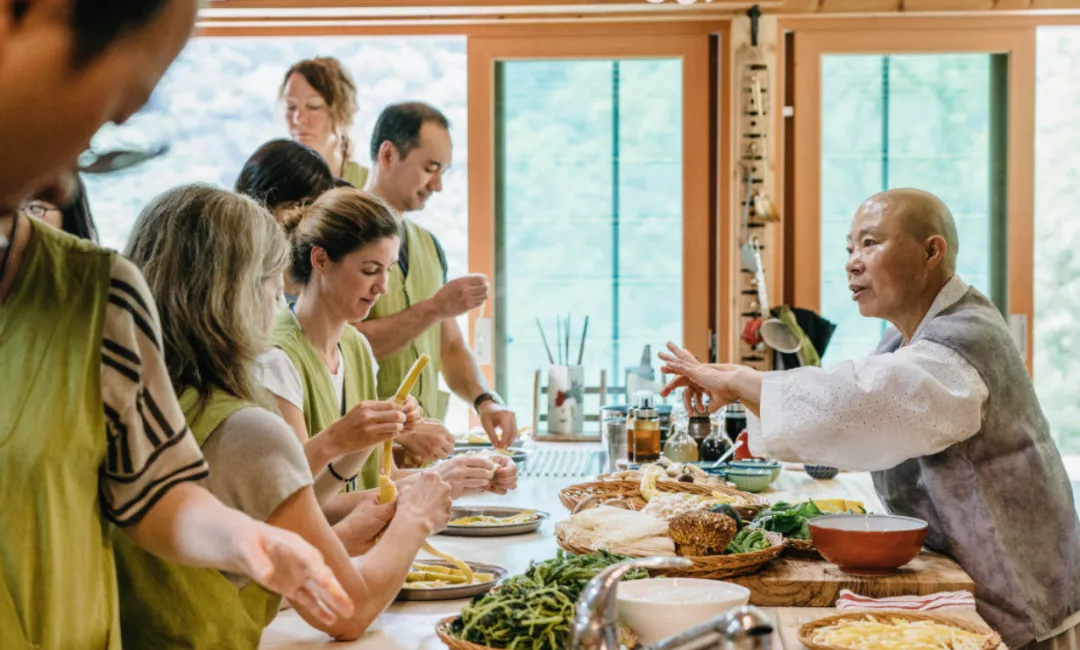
<point>868,544</point>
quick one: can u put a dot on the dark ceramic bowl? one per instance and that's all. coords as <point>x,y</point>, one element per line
<point>868,544</point>
<point>821,472</point>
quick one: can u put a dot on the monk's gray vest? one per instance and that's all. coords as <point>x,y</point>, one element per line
<point>1000,502</point>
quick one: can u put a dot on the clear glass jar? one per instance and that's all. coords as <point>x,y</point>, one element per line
<point>680,447</point>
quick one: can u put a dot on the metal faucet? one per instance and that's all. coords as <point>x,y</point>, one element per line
<point>594,620</point>
<point>743,628</point>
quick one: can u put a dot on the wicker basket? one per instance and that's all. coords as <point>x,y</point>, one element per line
<point>630,491</point>
<point>802,548</point>
<point>807,630</point>
<point>442,628</point>
<point>715,567</point>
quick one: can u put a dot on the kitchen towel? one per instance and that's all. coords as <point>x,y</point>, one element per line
<point>942,600</point>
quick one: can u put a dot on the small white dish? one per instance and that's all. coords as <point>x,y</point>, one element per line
<point>657,608</point>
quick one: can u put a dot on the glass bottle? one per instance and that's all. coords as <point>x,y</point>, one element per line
<point>680,447</point>
<point>734,420</point>
<point>645,434</point>
<point>716,445</point>
<point>699,427</point>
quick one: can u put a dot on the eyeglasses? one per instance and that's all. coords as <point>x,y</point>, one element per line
<point>38,210</point>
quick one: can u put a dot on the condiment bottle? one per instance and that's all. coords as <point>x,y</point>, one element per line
<point>734,420</point>
<point>716,445</point>
<point>698,428</point>
<point>645,434</point>
<point>680,447</point>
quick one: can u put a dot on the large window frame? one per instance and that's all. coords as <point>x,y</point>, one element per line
<point>693,49</point>
<point>815,38</point>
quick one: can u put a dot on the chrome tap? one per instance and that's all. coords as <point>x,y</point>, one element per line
<point>742,628</point>
<point>594,620</point>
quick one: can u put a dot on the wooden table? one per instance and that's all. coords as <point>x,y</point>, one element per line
<point>799,582</point>
<point>410,626</point>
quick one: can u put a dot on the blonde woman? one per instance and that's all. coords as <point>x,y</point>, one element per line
<point>322,369</point>
<point>214,260</point>
<point>320,104</point>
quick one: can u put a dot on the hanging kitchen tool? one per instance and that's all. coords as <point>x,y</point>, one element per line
<point>747,250</point>
<point>764,208</point>
<point>773,331</point>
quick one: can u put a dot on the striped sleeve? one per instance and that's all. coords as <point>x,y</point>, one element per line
<point>150,448</point>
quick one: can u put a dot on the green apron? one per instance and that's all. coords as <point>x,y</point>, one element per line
<point>424,281</point>
<point>356,174</point>
<point>57,581</point>
<point>164,605</point>
<point>321,408</point>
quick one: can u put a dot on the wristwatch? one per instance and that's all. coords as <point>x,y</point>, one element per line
<point>485,397</point>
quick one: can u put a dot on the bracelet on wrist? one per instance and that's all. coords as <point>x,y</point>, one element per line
<point>330,466</point>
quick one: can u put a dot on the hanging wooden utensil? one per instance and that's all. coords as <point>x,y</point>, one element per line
<point>764,207</point>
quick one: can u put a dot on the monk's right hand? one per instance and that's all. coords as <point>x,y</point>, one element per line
<point>369,424</point>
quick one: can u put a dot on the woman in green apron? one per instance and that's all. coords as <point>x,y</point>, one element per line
<point>321,369</point>
<point>89,433</point>
<point>320,104</point>
<point>214,262</point>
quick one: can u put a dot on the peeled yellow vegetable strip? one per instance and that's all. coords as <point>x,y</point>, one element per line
<point>464,568</point>
<point>387,490</point>
<point>400,396</point>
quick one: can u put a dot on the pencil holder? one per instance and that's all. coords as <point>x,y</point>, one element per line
<point>566,399</point>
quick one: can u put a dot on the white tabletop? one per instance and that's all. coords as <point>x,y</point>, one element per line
<point>410,626</point>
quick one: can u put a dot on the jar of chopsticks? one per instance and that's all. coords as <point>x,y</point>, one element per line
<point>566,379</point>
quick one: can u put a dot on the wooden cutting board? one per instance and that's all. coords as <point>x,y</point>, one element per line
<point>800,582</point>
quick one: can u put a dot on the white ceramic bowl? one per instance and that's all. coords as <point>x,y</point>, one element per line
<point>657,608</point>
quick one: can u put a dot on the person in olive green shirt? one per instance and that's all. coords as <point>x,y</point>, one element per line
<point>410,150</point>
<point>90,432</point>
<point>216,319</point>
<point>320,104</point>
<point>323,371</point>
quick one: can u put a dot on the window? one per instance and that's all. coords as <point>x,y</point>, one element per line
<point>917,120</point>
<point>219,102</point>
<point>1057,236</point>
<point>589,189</point>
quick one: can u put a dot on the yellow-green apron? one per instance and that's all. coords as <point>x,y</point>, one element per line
<point>424,281</point>
<point>356,174</point>
<point>321,407</point>
<point>57,581</point>
<point>165,605</point>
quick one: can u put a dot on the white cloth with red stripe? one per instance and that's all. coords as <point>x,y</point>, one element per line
<point>942,600</point>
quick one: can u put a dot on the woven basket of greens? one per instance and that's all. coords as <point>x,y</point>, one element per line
<point>531,611</point>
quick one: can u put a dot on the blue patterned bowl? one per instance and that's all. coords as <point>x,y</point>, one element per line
<point>772,465</point>
<point>821,472</point>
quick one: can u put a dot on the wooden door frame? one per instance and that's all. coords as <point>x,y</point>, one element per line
<point>693,49</point>
<point>925,36</point>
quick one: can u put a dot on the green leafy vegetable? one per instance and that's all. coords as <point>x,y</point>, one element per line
<point>788,519</point>
<point>747,540</point>
<point>534,611</point>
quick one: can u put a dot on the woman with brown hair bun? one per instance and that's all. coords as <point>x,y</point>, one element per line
<point>320,104</point>
<point>322,370</point>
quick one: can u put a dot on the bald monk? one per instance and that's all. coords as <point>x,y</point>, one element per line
<point>943,414</point>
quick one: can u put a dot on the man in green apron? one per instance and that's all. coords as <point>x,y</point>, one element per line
<point>90,431</point>
<point>410,150</point>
